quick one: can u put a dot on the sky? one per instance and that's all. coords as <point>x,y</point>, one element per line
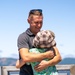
<point>59,16</point>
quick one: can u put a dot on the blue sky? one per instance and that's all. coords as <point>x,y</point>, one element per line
<point>59,16</point>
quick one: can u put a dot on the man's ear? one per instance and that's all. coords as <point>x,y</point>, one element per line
<point>28,20</point>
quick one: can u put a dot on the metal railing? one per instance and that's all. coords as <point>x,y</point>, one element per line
<point>62,70</point>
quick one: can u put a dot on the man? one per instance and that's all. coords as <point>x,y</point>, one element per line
<point>35,20</point>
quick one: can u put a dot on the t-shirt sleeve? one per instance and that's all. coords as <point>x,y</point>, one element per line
<point>22,42</point>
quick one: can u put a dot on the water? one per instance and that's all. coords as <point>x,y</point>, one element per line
<point>65,72</point>
<point>13,73</point>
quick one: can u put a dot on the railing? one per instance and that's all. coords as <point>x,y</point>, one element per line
<point>62,70</point>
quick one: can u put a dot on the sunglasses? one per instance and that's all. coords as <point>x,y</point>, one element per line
<point>32,11</point>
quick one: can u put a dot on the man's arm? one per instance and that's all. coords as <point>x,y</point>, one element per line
<point>56,59</point>
<point>44,64</point>
<point>19,63</point>
<point>33,57</point>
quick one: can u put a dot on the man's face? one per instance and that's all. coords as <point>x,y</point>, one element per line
<point>36,23</point>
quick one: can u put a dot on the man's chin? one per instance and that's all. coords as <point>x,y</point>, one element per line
<point>37,30</point>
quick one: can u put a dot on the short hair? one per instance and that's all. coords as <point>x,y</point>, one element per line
<point>35,12</point>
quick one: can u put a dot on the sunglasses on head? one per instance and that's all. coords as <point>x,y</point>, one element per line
<point>33,10</point>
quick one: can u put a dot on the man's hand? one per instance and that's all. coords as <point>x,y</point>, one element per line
<point>50,54</point>
<point>41,66</point>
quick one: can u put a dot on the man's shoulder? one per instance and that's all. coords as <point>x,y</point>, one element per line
<point>23,34</point>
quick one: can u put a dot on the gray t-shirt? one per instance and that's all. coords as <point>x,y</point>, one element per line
<point>25,41</point>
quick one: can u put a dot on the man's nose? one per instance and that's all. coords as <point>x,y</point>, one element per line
<point>39,25</point>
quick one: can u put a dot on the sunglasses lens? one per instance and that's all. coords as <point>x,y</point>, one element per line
<point>32,11</point>
<point>40,10</point>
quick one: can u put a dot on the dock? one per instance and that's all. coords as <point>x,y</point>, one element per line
<point>62,70</point>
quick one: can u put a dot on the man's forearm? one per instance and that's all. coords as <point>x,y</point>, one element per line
<point>54,61</point>
<point>33,57</point>
<point>19,63</point>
